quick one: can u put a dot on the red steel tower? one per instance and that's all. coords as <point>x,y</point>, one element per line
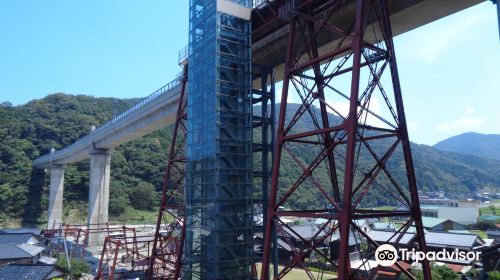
<point>359,156</point>
<point>166,257</point>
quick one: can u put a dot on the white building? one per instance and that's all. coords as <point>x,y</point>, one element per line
<point>460,214</point>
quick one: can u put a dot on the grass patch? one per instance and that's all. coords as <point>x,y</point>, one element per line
<point>385,208</point>
<point>489,211</point>
<point>135,216</point>
<point>299,274</point>
<point>77,214</point>
<point>480,233</point>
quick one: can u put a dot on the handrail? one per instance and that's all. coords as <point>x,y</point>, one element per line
<point>145,101</point>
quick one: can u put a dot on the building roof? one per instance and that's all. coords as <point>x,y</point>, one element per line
<point>17,238</point>
<point>384,226</point>
<point>493,232</point>
<point>491,251</point>
<point>427,207</point>
<point>413,229</point>
<point>29,271</point>
<point>461,231</point>
<point>387,237</point>
<point>19,251</point>
<point>352,240</point>
<point>489,218</point>
<point>305,231</point>
<point>361,222</point>
<point>443,239</point>
<point>35,231</point>
<point>429,222</point>
<point>47,260</point>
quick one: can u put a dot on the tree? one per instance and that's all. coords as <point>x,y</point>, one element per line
<point>118,198</point>
<point>446,273</point>
<point>438,273</point>
<point>494,275</point>
<point>6,104</point>
<point>78,267</point>
<point>473,274</point>
<point>144,196</point>
<point>493,209</point>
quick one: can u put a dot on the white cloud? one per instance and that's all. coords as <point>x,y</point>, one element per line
<point>470,110</point>
<point>428,44</point>
<point>375,106</point>
<point>468,121</point>
<point>341,107</point>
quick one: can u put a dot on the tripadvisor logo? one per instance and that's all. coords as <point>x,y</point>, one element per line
<point>387,255</point>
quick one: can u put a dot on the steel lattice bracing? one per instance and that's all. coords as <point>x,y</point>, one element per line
<point>350,158</point>
<point>219,152</point>
<point>263,99</point>
<point>125,256</point>
<point>166,256</point>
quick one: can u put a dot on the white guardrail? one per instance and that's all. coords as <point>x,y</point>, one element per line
<point>87,139</point>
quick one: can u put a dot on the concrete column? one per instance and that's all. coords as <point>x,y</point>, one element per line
<point>56,196</point>
<point>98,194</point>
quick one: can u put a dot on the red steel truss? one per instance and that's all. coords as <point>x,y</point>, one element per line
<point>351,158</point>
<point>125,256</point>
<point>166,258</point>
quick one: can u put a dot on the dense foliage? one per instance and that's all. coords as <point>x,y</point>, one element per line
<point>31,130</point>
<point>438,273</point>
<point>78,266</point>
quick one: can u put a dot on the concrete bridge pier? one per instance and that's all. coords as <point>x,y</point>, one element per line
<point>100,160</point>
<point>56,188</point>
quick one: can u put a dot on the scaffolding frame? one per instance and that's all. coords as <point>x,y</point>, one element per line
<point>219,239</point>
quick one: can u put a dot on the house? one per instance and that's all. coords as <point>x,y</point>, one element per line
<point>289,242</point>
<point>443,240</point>
<point>20,253</point>
<point>494,234</point>
<point>461,215</point>
<point>391,237</point>
<point>354,248</point>
<point>35,231</point>
<point>363,224</point>
<point>32,272</point>
<point>438,224</point>
<point>490,257</point>
<point>463,203</point>
<point>19,238</point>
<point>437,241</point>
<point>384,226</point>
<point>489,218</point>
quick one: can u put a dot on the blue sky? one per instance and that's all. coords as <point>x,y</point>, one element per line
<point>449,69</point>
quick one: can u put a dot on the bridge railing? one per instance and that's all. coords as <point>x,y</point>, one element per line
<point>87,139</point>
<point>141,103</point>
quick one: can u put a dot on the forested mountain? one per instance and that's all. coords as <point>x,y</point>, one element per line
<point>483,145</point>
<point>57,120</point>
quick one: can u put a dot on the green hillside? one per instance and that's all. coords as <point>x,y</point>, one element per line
<point>30,130</point>
<point>483,145</point>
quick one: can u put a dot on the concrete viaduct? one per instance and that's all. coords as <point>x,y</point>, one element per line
<point>158,110</point>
